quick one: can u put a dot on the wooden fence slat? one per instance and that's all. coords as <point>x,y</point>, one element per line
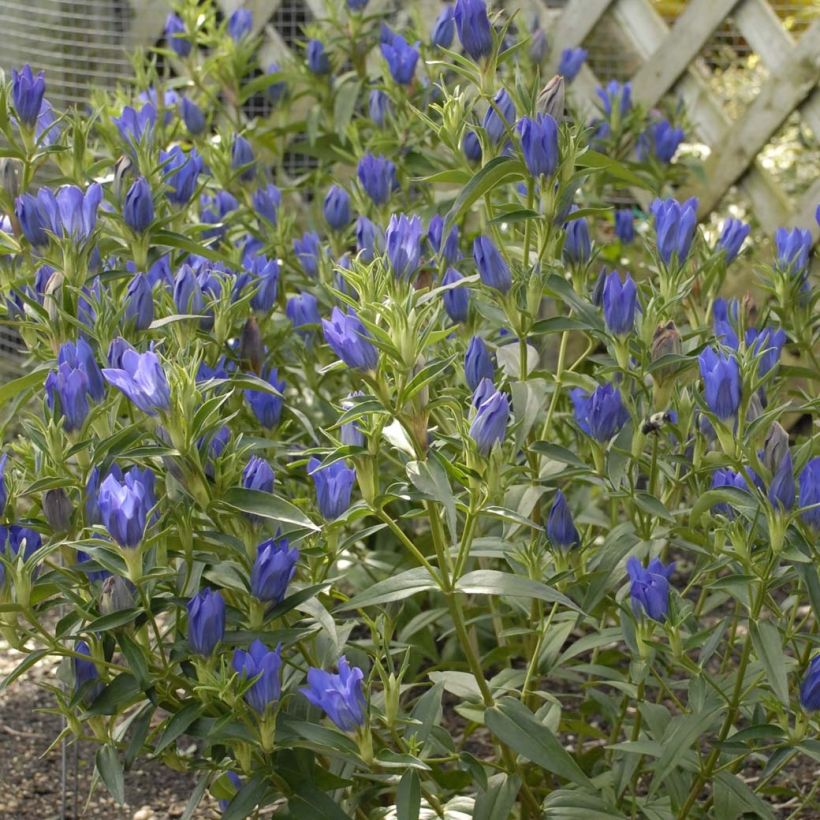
<point>262,11</point>
<point>806,208</point>
<point>573,26</point>
<point>780,95</point>
<point>148,24</point>
<point>691,31</point>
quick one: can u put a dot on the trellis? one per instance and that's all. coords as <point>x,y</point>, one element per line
<point>670,56</point>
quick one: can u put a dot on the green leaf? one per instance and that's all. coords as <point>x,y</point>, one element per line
<point>495,582</point>
<point>430,479</point>
<point>512,723</point>
<point>497,802</point>
<point>347,92</point>
<point>133,653</point>
<point>174,240</point>
<point>618,170</point>
<point>496,172</point>
<point>110,769</point>
<point>34,379</point>
<point>681,732</point>
<point>246,800</point>
<point>455,176</point>
<point>649,504</point>
<point>408,796</point>
<point>734,798</point>
<point>738,500</point>
<point>396,588</point>
<point>768,646</point>
<point>559,454</point>
<point>120,693</point>
<point>112,621</point>
<point>196,796</point>
<point>515,215</point>
<point>309,803</point>
<point>270,506</point>
<point>177,725</point>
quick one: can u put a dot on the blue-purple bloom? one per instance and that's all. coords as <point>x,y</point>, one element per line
<point>472,146</point>
<point>86,676</point>
<point>334,485</point>
<point>403,239</point>
<point>781,489</point>
<point>340,696</point>
<point>577,244</point>
<point>379,106</point>
<point>242,158</point>
<point>600,414</point>
<point>266,201</point>
<point>401,59</point>
<point>206,621</point>
<point>649,588</point>
<point>571,61</point>
<point>350,340</point>
<point>378,177</point>
<point>266,406</point>
<point>369,239</point>
<point>457,299</point>
<point>810,688</point>
<point>767,344</point>
<point>307,250</point>
<point>176,36</point>
<point>539,144</point>
<point>793,248</point>
<point>444,28</point>
<point>141,378</point>
<point>240,24</point>
<point>27,93</point>
<point>620,301</point>
<point>263,665</point>
<point>139,302</point>
<point>192,116</point>
<point>726,477</point>
<point>615,96</point>
<point>138,210</point>
<point>675,225</point>
<point>561,529</point>
<point>69,385</point>
<point>732,237</point>
<point>660,140</point>
<point>473,27</point>
<point>336,208</point>
<point>721,382</point>
<point>489,424</point>
<point>478,363</point>
<point>136,127</point>
<point>273,570</point>
<point>493,270</point>
<point>80,356</point>
<point>317,60</point>
<point>499,117</point>
<point>624,225</point>
<point>258,475</point>
<point>303,309</point>
<point>124,501</point>
<point>181,172</point>
<point>810,493</point>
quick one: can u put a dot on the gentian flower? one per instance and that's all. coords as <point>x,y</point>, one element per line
<point>810,493</point>
<point>264,275</point>
<point>378,107</point>
<point>206,621</point>
<point>27,92</point>
<point>86,676</point>
<point>539,45</point>
<point>403,239</point>
<point>472,146</point>
<point>181,172</point>
<point>176,36</point>
<point>141,378</point>
<point>473,27</point>
<point>614,95</point>
<point>192,116</point>
<point>660,140</point>
<point>600,414</point>
<point>139,302</point>
<point>317,59</point>
<point>499,117</point>
<point>240,24</point>
<point>70,386</point>
<point>478,363</point>
<point>48,130</point>
<point>357,5</point>
<point>340,696</point>
<point>444,28</point>
<point>4,496</point>
<point>276,90</point>
<point>620,301</point>
<point>768,345</point>
<point>266,407</point>
<point>334,484</point>
<point>675,227</point>
<point>577,245</point>
<point>136,127</point>
<point>160,271</point>
<point>242,158</point>
<point>732,237</point>
<point>490,422</point>
<point>624,225</point>
<point>378,177</point>
<point>273,570</point>
<point>369,239</point>
<point>80,356</point>
<point>124,505</point>
<point>266,201</point>
<point>349,340</point>
<point>810,688</point>
<point>266,667</point>
<point>214,209</point>
<point>337,208</point>
<point>725,315</point>
<point>649,589</point>
<point>258,475</point>
<point>401,59</point>
<point>781,489</point>
<point>721,382</point>
<point>793,248</point>
<point>571,61</point>
<point>303,309</point>
<point>539,143</point>
<point>449,250</point>
<point>561,529</point>
<point>726,477</point>
<point>493,270</point>
<point>307,250</point>
<point>456,300</point>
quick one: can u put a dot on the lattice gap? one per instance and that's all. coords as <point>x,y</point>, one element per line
<point>792,156</point>
<point>289,20</point>
<point>611,55</point>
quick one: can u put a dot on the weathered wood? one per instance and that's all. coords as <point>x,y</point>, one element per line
<point>683,43</point>
<point>573,26</point>
<point>780,95</point>
<point>804,217</point>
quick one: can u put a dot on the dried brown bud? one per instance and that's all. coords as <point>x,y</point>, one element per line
<point>666,341</point>
<point>10,176</point>
<point>551,99</point>
<point>251,350</point>
<point>57,509</point>
<point>749,308</point>
<point>775,447</point>
<point>115,595</point>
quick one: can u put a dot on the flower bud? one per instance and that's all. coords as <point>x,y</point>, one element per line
<point>334,484</point>
<point>457,299</point>
<point>649,589</point>
<point>251,349</point>
<point>242,158</point>
<point>337,208</point>
<point>539,144</point>
<point>489,425</point>
<point>139,302</point>
<point>620,301</point>
<point>443,28</point>
<point>192,116</point>
<point>10,176</point>
<point>57,509</point>
<point>138,210</point>
<point>175,35</point>
<point>403,240</point>
<point>775,447</point>
<point>571,61</point>
<point>781,488</point>
<point>551,99</point>
<point>317,60</point>
<point>478,363</point>
<point>240,24</point>
<point>666,341</point>
<point>561,529</point>
<point>27,93</point>
<point>258,475</point>
<point>810,493</point>
<point>474,29</point>
<point>721,382</point>
<point>810,688</point>
<point>273,570</point>
<point>377,175</point>
<point>493,270</point>
<point>206,621</point>
<point>116,595</point>
<point>266,406</point>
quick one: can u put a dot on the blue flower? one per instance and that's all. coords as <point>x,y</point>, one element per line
<point>614,95</point>
<point>263,665</point>
<point>625,225</point>
<point>726,477</point>
<point>307,251</point>
<point>4,496</point>
<point>539,143</point>
<point>258,475</point>
<point>456,300</point>
<point>810,493</point>
<point>499,117</point>
<point>276,90</point>
<point>303,309</point>
<point>266,201</point>
<point>141,378</point>
<point>401,59</point>
<point>349,340</point>
<point>378,107</point>
<point>403,239</point>
<point>539,45</point>
<point>577,245</point>
<point>264,275</point>
<point>181,172</point>
<point>766,344</point>
<point>472,146</point>
<point>478,363</point>
<point>660,140</point>
<point>444,28</point>
<point>378,177</point>
<point>192,116</point>
<point>267,407</point>
<point>206,621</point>
<point>340,696</point>
<point>136,127</point>
<point>17,540</point>
<point>80,356</point>
<point>69,212</point>
<point>675,227</point>
<point>273,570</point>
<point>317,60</point>
<point>571,61</point>
<point>86,678</point>
<point>493,270</point>
<point>620,301</point>
<point>70,386</point>
<point>357,5</point>
<point>369,239</point>
<point>124,504</point>
<point>236,782</point>
<point>490,422</point>
<point>160,271</point>
<point>473,27</point>
<point>649,589</point>
<point>337,208</point>
<point>725,316</point>
<point>242,159</point>
<point>561,529</point>
<point>27,92</point>
<point>450,250</point>
<point>793,248</point>
<point>139,302</point>
<point>334,484</point>
<point>721,382</point>
<point>176,36</point>
<point>810,688</point>
<point>732,237</point>
<point>240,24</point>
<point>600,414</point>
<point>782,490</point>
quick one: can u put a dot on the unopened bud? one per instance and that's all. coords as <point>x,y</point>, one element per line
<point>754,409</point>
<point>123,167</point>
<point>57,509</point>
<point>115,595</point>
<point>749,309</point>
<point>251,350</point>
<point>775,447</point>
<point>551,99</point>
<point>665,342</point>
<point>10,176</point>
